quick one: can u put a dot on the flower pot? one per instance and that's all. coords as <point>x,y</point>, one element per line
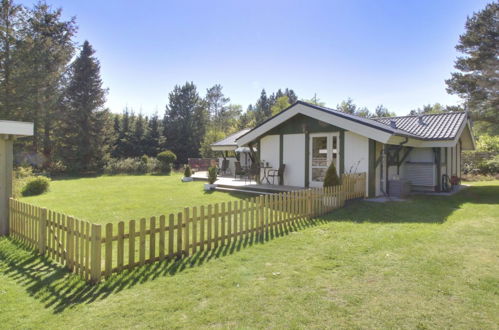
<point>209,186</point>
<point>187,179</point>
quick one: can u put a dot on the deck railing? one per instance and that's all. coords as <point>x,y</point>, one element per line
<point>94,251</point>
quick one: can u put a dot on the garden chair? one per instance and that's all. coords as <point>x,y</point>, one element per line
<point>277,174</point>
<point>239,171</point>
<point>225,166</point>
<point>253,172</point>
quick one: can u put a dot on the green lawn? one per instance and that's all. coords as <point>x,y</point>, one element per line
<point>106,199</point>
<point>431,262</point>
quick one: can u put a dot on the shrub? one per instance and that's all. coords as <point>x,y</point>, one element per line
<point>36,186</point>
<point>166,158</point>
<point>57,167</point>
<point>187,171</point>
<point>331,179</point>
<point>140,165</point>
<point>490,166</point>
<point>212,174</point>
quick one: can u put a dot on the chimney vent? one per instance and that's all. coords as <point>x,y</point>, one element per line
<point>393,123</point>
<point>421,121</point>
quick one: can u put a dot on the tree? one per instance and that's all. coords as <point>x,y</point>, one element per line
<point>216,103</point>
<point>477,79</point>
<point>11,22</point>
<point>44,53</point>
<point>347,106</point>
<point>185,122</point>
<point>280,104</point>
<point>315,100</point>
<point>382,111</point>
<point>428,109</point>
<point>210,137</point>
<point>262,108</point>
<point>86,125</point>
<point>153,139</point>
<point>247,119</point>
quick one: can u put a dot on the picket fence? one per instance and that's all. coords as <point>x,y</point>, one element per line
<point>94,252</point>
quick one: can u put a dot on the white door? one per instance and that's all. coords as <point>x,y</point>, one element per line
<point>324,149</point>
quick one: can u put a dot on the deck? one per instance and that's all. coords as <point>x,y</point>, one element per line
<point>229,183</point>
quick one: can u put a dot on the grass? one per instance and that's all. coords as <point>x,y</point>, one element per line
<point>430,262</point>
<point>106,199</point>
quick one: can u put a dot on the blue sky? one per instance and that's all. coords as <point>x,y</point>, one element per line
<point>395,53</point>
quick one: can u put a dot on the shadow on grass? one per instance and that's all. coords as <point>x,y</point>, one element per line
<point>59,290</point>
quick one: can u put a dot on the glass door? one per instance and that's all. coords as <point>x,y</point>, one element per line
<point>324,149</point>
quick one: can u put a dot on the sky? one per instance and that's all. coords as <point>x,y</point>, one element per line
<point>396,53</point>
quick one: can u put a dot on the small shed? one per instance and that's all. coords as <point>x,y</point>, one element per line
<point>9,130</point>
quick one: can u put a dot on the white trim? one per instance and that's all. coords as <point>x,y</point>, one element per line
<point>327,117</point>
<point>223,148</point>
<point>18,128</point>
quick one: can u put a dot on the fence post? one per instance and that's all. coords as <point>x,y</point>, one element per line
<point>95,265</point>
<point>42,232</point>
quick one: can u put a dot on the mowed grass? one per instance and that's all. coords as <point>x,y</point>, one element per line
<point>430,262</point>
<point>106,199</point>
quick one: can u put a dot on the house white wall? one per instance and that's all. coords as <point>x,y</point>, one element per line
<point>294,159</point>
<point>356,154</point>
<point>269,151</point>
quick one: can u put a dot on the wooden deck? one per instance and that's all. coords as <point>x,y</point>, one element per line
<point>230,183</point>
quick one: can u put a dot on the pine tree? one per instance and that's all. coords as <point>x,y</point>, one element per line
<point>185,122</point>
<point>478,80</point>
<point>152,140</point>
<point>87,124</point>
<point>263,109</point>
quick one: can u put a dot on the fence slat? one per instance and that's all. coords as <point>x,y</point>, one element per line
<point>142,242</point>
<point>121,245</point>
<point>131,243</point>
<point>162,224</point>
<point>109,250</point>
<point>171,237</point>
<point>152,238</point>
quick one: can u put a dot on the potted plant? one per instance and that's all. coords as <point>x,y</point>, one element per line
<point>212,177</point>
<point>331,179</point>
<point>187,174</point>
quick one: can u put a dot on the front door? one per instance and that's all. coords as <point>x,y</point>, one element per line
<point>324,149</point>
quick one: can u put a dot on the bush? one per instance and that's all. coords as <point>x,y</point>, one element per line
<point>140,165</point>
<point>166,158</point>
<point>187,171</point>
<point>36,186</point>
<point>56,168</point>
<point>212,174</point>
<point>490,166</point>
<point>331,179</point>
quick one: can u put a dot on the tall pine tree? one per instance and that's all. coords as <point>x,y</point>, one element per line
<point>87,124</point>
<point>185,122</point>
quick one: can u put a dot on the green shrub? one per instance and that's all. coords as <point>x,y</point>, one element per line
<point>490,166</point>
<point>36,186</point>
<point>167,158</point>
<point>331,179</point>
<point>140,165</point>
<point>187,171</point>
<point>212,174</point>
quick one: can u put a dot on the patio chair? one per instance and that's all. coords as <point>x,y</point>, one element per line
<point>225,166</point>
<point>253,172</point>
<point>277,174</point>
<point>239,171</point>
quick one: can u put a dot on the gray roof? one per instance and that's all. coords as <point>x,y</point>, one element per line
<point>442,126</point>
<point>231,139</point>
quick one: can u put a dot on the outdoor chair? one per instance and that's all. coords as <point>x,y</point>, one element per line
<point>279,174</point>
<point>239,171</point>
<point>253,172</point>
<point>225,166</point>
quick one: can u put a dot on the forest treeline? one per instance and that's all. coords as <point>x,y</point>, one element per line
<point>49,79</point>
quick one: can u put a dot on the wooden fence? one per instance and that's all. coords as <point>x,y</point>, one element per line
<point>94,252</point>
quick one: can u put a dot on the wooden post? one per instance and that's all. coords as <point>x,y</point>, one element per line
<point>6,156</point>
<point>95,262</point>
<point>42,232</point>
